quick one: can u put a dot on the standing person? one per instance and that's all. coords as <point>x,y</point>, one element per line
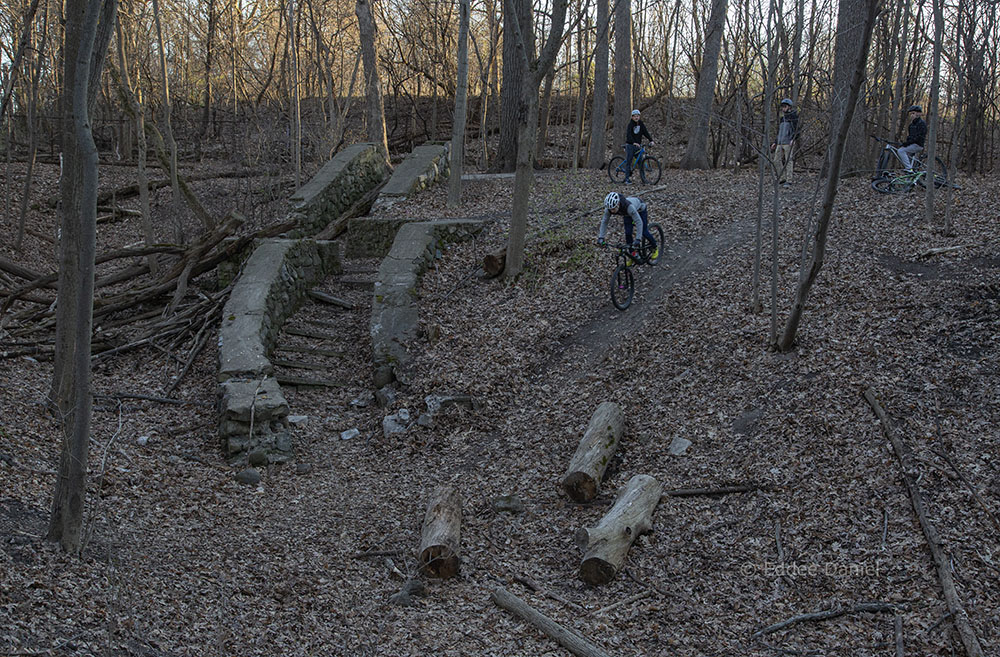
<point>634,133</point>
<point>784,143</point>
<point>633,212</point>
<point>915,136</point>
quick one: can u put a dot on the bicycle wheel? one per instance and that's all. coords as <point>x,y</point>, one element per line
<point>882,168</point>
<point>647,246</point>
<point>622,287</point>
<point>616,169</point>
<point>651,170</point>
<point>894,185</point>
<point>940,171</point>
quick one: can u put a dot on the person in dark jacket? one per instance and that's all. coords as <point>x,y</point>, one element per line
<point>785,142</point>
<point>915,136</point>
<point>634,133</point>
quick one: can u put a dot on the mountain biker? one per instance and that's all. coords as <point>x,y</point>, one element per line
<point>915,136</point>
<point>633,211</point>
<point>784,143</point>
<point>634,133</point>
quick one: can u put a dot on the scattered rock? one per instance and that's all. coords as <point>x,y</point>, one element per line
<point>404,597</point>
<point>403,414</point>
<point>385,396</point>
<point>303,468</point>
<point>426,420</point>
<point>142,441</point>
<point>350,433</point>
<point>395,424</point>
<point>250,476</point>
<point>257,456</point>
<point>360,402</point>
<point>678,446</point>
<point>297,420</point>
<point>508,504</point>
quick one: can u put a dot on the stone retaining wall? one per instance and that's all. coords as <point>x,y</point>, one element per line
<point>336,187</point>
<point>394,307</point>
<point>253,414</point>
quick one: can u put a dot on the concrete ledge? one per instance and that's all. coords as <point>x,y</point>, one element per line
<point>423,167</point>
<point>273,283</point>
<point>395,310</point>
<point>336,187</point>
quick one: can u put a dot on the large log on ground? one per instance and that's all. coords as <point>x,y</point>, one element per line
<point>494,263</point>
<point>606,545</point>
<point>440,539</point>
<point>598,445</point>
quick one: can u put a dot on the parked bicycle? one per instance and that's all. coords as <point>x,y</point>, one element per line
<point>890,168</point>
<point>623,280</point>
<point>648,167</point>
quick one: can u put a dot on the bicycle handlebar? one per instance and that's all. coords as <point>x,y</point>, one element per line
<point>885,141</point>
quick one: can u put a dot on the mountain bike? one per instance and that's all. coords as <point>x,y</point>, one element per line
<point>623,280</point>
<point>648,167</point>
<point>890,165</point>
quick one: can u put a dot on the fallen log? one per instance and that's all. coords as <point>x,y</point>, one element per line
<point>606,545</point>
<point>564,636</point>
<point>598,445</point>
<point>357,209</point>
<point>494,263</point>
<point>440,539</point>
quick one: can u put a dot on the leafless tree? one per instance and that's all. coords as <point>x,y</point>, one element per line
<point>599,113</point>
<point>461,95</point>
<point>78,247</point>
<point>696,155</point>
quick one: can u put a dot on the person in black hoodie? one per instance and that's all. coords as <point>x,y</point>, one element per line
<point>785,142</point>
<point>915,136</point>
<point>633,140</point>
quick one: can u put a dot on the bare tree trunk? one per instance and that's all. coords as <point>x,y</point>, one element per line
<point>849,36</point>
<point>599,113</point>
<point>29,18</point>
<point>78,247</point>
<point>835,158</point>
<point>623,68</point>
<point>293,37</point>
<point>696,155</point>
<point>764,164</point>
<point>932,116</point>
<point>461,102</point>
<point>139,114</point>
<point>373,88</point>
<point>36,76</point>
<point>518,49</point>
<point>958,132</point>
<point>168,130</point>
<point>528,130</point>
<point>206,115</point>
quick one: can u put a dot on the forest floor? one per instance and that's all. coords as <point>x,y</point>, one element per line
<point>184,560</point>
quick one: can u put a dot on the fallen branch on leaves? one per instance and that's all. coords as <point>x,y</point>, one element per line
<point>564,636</point>
<point>962,624</point>
<point>725,490</point>
<point>862,608</point>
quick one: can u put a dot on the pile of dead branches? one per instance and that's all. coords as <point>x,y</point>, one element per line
<point>133,307</point>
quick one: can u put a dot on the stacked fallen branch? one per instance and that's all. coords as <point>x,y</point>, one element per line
<point>30,328</point>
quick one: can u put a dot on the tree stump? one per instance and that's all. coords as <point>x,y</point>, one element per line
<point>598,445</point>
<point>606,545</point>
<point>494,263</point>
<point>440,539</point>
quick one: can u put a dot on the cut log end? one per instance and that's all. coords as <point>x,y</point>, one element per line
<point>439,561</point>
<point>494,263</point>
<point>597,571</point>
<point>580,486</point>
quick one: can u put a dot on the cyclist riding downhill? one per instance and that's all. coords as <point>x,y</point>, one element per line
<point>634,212</point>
<point>634,133</point>
<point>915,135</point>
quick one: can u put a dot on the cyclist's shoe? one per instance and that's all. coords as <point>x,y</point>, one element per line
<point>628,181</point>
<point>655,254</point>
<point>600,241</point>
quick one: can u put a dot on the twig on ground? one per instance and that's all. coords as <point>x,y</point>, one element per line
<point>566,637</point>
<point>972,489</point>
<point>725,490</point>
<point>861,608</point>
<point>533,586</point>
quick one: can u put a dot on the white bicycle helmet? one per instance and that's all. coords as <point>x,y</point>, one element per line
<point>635,112</point>
<point>612,201</point>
